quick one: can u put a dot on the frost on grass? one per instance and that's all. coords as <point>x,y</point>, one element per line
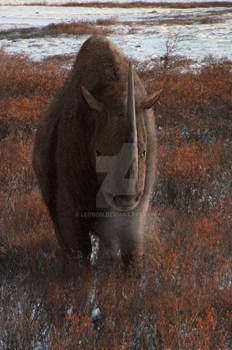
<point>183,299</point>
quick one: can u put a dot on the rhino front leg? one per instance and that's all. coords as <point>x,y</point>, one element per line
<point>72,234</point>
<point>128,249</point>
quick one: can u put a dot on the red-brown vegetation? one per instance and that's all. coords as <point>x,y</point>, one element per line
<point>183,300</point>
<point>55,29</point>
<point>143,4</point>
<point>77,28</point>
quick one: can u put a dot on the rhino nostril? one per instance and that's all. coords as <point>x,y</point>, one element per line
<point>127,198</point>
<point>138,196</point>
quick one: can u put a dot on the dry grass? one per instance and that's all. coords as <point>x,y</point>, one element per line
<point>55,29</point>
<point>210,17</point>
<point>184,300</point>
<point>142,4</point>
<point>77,28</point>
<point>190,21</point>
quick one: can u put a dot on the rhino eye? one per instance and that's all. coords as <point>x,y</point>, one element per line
<point>98,153</point>
<point>143,154</point>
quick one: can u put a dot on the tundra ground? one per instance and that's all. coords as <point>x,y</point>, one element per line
<point>183,300</point>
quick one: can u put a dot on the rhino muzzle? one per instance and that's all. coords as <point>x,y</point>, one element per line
<point>125,175</point>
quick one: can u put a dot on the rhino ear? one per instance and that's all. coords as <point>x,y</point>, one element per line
<point>151,99</point>
<point>91,100</point>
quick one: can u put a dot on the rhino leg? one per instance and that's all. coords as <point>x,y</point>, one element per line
<point>73,235</point>
<point>128,249</point>
<point>128,244</point>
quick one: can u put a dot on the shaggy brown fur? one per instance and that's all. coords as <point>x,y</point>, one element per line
<point>70,134</point>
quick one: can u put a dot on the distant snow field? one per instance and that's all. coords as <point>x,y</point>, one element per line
<point>140,32</point>
<point>53,2</point>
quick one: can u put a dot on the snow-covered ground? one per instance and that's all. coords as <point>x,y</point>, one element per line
<point>140,32</point>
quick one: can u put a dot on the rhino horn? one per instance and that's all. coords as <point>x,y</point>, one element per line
<point>131,140</point>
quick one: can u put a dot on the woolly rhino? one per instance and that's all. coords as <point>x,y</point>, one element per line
<point>95,153</point>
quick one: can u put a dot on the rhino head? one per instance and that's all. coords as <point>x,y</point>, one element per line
<point>120,146</point>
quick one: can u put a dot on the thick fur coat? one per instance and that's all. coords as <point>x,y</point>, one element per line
<point>66,150</point>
